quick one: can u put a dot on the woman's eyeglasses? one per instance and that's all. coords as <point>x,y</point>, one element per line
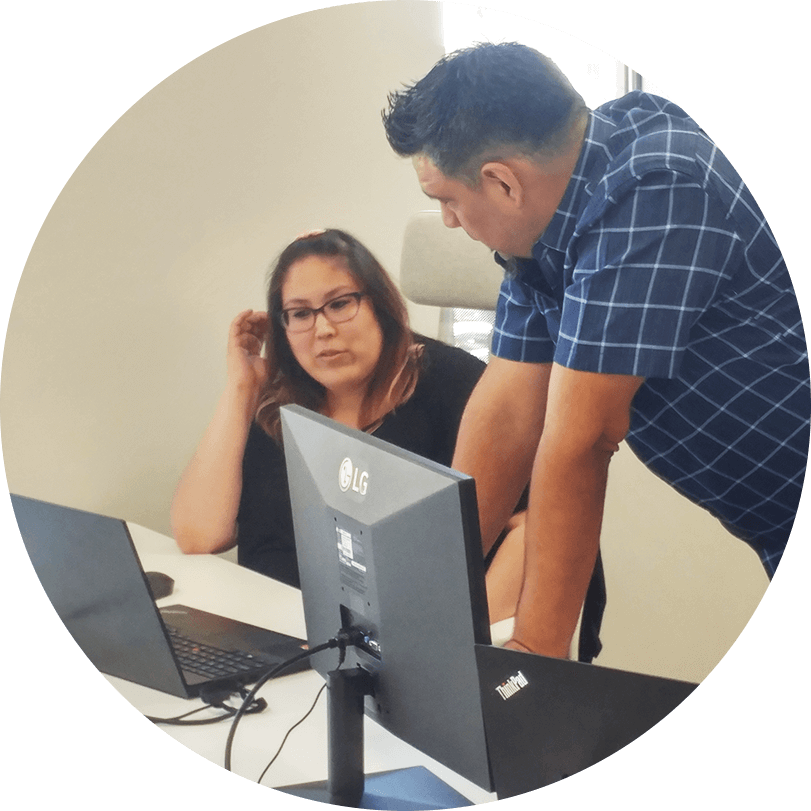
<point>336,311</point>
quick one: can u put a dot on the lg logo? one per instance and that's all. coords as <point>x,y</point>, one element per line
<point>351,477</point>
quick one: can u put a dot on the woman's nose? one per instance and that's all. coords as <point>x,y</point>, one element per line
<point>323,326</point>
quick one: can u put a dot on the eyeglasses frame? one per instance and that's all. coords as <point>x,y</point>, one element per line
<point>357,295</point>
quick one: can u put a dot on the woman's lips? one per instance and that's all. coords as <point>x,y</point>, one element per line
<point>329,354</point>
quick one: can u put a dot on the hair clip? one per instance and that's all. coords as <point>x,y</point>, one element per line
<point>314,233</point>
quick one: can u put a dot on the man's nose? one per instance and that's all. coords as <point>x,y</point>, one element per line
<point>449,219</point>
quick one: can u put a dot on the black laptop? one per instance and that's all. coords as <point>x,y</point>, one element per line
<point>90,571</point>
<point>547,719</point>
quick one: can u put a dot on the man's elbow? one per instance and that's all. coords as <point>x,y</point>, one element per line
<point>608,443</point>
<point>592,447</point>
<point>590,412</point>
<point>613,431</point>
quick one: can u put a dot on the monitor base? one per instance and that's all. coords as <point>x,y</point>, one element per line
<point>413,789</point>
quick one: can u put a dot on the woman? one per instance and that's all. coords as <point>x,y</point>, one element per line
<point>337,341</point>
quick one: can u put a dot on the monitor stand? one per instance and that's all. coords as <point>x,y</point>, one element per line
<point>412,789</point>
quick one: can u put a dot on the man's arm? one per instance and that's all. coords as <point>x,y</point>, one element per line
<point>587,416</point>
<point>498,437</point>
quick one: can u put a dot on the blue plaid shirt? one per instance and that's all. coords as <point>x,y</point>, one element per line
<point>658,263</point>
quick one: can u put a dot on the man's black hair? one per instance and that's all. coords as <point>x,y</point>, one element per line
<point>479,102</point>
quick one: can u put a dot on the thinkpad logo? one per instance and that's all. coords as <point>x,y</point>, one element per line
<point>510,687</point>
<point>352,477</point>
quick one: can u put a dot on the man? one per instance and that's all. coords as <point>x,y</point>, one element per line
<point>644,300</point>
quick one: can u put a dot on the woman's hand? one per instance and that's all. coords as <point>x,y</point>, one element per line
<point>247,370</point>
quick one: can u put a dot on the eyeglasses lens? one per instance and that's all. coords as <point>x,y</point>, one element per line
<point>302,319</point>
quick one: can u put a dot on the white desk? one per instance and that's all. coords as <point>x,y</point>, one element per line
<point>221,587</point>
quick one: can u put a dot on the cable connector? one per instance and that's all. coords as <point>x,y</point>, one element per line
<point>217,696</point>
<point>345,638</point>
<point>350,637</point>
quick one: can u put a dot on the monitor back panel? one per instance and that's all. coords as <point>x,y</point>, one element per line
<point>389,542</point>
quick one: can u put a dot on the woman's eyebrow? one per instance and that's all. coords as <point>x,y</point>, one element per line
<point>335,292</point>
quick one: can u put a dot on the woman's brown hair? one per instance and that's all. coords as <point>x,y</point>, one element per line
<point>287,381</point>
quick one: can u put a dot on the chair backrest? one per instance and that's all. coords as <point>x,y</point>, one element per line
<point>444,267</point>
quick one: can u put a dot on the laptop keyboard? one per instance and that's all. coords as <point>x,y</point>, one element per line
<point>215,663</point>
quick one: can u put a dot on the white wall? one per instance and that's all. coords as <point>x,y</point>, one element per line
<point>680,587</point>
<point>115,351</point>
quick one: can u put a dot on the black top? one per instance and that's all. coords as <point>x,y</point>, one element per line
<point>426,424</point>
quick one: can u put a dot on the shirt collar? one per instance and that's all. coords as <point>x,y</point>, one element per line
<point>578,191</point>
<point>593,156</point>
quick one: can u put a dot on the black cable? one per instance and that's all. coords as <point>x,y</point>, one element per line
<point>338,641</point>
<point>343,642</point>
<point>289,731</point>
<point>179,720</point>
<point>213,700</point>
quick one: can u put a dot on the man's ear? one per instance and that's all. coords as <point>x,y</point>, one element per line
<point>501,180</point>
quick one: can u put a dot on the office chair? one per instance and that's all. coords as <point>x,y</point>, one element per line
<point>443,267</point>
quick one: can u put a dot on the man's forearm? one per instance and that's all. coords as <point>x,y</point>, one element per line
<point>587,417</point>
<point>501,467</point>
<point>498,437</point>
<point>564,521</point>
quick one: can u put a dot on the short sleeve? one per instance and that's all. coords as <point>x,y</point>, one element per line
<point>521,332</point>
<point>646,270</point>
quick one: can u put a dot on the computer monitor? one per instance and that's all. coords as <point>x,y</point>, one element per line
<point>388,543</point>
<point>389,548</point>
